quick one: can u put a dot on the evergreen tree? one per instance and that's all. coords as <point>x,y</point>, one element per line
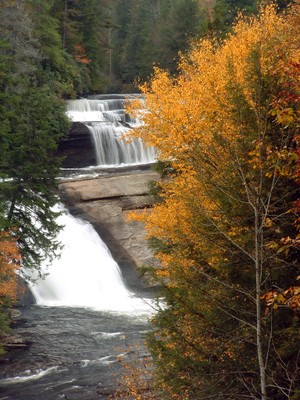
<point>152,32</point>
<point>183,23</point>
<point>56,68</point>
<point>32,119</point>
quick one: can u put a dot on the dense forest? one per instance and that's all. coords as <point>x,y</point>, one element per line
<point>106,45</point>
<point>226,224</point>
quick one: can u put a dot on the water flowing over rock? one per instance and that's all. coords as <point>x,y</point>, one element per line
<point>105,202</point>
<point>95,137</point>
<point>85,275</point>
<point>103,304</point>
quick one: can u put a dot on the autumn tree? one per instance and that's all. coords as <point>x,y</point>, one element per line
<point>228,125</point>
<point>10,262</point>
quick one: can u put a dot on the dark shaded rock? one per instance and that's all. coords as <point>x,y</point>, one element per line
<point>78,148</point>
<point>12,341</point>
<point>14,314</point>
<point>24,296</point>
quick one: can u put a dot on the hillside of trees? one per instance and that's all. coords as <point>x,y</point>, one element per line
<point>105,45</point>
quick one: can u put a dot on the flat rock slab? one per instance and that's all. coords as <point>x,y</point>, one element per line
<point>107,187</point>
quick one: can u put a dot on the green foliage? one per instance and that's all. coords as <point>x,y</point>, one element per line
<point>32,120</point>
<point>32,168</point>
<point>152,33</point>
<point>4,328</point>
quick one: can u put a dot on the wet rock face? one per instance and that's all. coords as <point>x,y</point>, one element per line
<point>105,202</point>
<point>78,148</point>
<point>24,296</point>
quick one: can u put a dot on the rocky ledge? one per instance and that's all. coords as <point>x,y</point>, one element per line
<point>105,202</point>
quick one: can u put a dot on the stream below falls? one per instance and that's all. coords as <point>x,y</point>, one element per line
<point>75,354</point>
<point>85,318</point>
<point>84,322</point>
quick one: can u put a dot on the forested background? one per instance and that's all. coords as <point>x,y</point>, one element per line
<point>105,45</point>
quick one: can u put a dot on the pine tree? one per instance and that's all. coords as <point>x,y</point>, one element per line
<point>56,68</point>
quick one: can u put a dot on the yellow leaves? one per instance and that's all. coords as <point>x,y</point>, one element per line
<point>185,113</point>
<point>268,222</point>
<point>136,379</point>
<point>211,123</point>
<point>284,116</point>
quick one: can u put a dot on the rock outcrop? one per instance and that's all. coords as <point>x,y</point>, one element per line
<point>105,202</point>
<point>77,149</point>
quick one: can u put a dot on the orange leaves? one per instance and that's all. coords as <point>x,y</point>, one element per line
<point>198,120</point>
<point>227,226</point>
<point>284,298</point>
<point>9,262</point>
<point>136,381</point>
<point>184,114</point>
<point>80,54</point>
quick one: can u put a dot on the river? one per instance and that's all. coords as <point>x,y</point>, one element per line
<point>85,319</point>
<point>75,354</point>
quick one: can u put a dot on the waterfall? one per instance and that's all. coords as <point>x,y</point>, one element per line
<point>106,120</point>
<point>85,275</point>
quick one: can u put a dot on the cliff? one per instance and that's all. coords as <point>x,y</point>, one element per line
<point>105,202</point>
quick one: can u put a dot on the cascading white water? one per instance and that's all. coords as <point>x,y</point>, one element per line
<point>85,275</point>
<point>111,150</point>
<point>106,120</point>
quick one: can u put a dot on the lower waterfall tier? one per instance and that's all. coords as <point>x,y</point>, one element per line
<point>85,275</point>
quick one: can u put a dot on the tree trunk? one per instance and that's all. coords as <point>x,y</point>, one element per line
<point>258,269</point>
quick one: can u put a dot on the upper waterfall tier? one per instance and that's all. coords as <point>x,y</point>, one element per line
<point>104,119</point>
<point>102,108</point>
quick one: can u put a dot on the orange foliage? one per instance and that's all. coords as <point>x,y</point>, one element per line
<point>10,259</point>
<point>136,380</point>
<point>80,54</point>
<point>285,298</point>
<point>227,124</point>
<point>192,120</point>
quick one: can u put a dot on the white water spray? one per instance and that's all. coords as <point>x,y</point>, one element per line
<point>85,275</point>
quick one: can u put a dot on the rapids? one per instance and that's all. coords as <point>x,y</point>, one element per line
<point>85,319</point>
